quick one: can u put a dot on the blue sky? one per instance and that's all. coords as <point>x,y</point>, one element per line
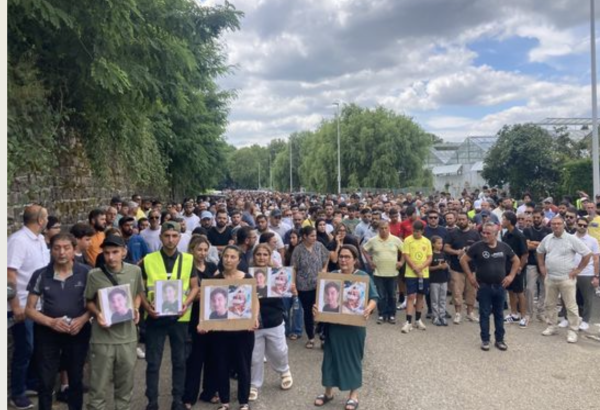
<point>460,67</point>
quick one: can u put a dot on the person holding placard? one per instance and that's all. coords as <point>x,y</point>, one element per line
<point>113,348</point>
<point>344,350</point>
<point>233,349</point>
<point>167,264</point>
<point>269,339</point>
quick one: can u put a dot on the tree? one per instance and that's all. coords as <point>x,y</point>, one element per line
<point>576,176</point>
<point>525,156</point>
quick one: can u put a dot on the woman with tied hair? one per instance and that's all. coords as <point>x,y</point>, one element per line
<point>322,235</point>
<point>269,339</point>
<point>344,350</point>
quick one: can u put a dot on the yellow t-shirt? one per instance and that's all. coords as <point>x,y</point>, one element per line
<point>308,222</point>
<point>384,254</point>
<point>594,228</point>
<point>418,250</point>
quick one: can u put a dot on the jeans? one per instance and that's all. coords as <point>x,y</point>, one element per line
<point>50,346</point>
<point>22,374</point>
<point>491,301</point>
<point>386,288</point>
<point>308,299</point>
<point>293,318</point>
<point>157,331</point>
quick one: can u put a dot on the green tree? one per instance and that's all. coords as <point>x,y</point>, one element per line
<point>526,157</point>
<point>576,176</point>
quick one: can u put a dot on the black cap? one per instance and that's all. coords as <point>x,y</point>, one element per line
<point>113,240</point>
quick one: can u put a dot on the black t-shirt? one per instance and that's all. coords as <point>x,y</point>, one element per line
<point>348,240</point>
<point>458,239</point>
<point>536,235</point>
<point>490,263</point>
<point>441,275</point>
<point>516,241</point>
<point>217,238</point>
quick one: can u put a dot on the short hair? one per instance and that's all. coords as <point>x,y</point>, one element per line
<point>94,213</point>
<point>410,210</point>
<point>125,220</point>
<point>436,238</point>
<point>115,292</point>
<point>169,285</point>
<point>261,216</point>
<point>81,230</point>
<point>266,237</point>
<point>334,285</point>
<point>350,248</point>
<point>217,291</point>
<point>52,220</point>
<point>365,211</point>
<point>63,236</point>
<point>538,211</point>
<point>418,225</point>
<point>221,211</point>
<point>307,230</point>
<point>242,234</point>
<point>510,217</point>
<point>235,212</point>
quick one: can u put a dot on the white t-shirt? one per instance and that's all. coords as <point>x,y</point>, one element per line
<point>152,239</point>
<point>184,242</point>
<point>191,222</point>
<point>276,260</point>
<point>591,243</point>
<point>27,252</point>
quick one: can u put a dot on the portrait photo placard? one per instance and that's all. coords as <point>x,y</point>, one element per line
<point>168,297</point>
<point>261,276</point>
<point>227,304</point>
<point>116,304</point>
<point>342,299</point>
<point>280,282</point>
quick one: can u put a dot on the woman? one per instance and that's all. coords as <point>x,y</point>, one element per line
<point>269,339</point>
<point>270,239</point>
<point>340,238</point>
<point>322,235</point>
<point>233,350</point>
<point>344,350</point>
<point>309,258</point>
<point>293,311</point>
<point>294,241</point>
<point>200,354</point>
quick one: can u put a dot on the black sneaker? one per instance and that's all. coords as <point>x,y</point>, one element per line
<point>380,320</point>
<point>63,395</point>
<point>392,320</point>
<point>485,346</point>
<point>501,346</point>
<point>429,315</point>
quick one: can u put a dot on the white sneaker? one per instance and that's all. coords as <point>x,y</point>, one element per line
<point>550,330</point>
<point>584,326</point>
<point>140,353</point>
<point>406,328</point>
<point>420,325</point>
<point>402,305</point>
<point>572,337</point>
<point>456,319</point>
<point>563,323</point>
<point>471,317</point>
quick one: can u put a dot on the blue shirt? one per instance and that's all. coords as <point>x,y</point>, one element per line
<point>136,248</point>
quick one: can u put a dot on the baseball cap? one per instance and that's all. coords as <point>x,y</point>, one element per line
<point>206,215</point>
<point>485,212</point>
<point>548,200</point>
<point>170,226</point>
<point>275,213</point>
<point>113,240</point>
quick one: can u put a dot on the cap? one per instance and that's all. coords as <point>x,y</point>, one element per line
<point>170,226</point>
<point>477,204</point>
<point>276,213</point>
<point>113,240</point>
<point>206,215</point>
<point>548,200</point>
<point>485,212</point>
<point>132,204</point>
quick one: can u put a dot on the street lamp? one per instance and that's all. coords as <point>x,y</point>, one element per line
<point>337,103</point>
<point>291,178</point>
<point>595,151</point>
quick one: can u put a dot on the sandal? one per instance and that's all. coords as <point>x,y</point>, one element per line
<point>293,337</point>
<point>223,407</point>
<point>188,406</point>
<point>351,404</point>
<point>244,407</point>
<point>215,399</point>
<point>310,344</point>
<point>324,399</point>
<point>253,394</point>
<point>286,381</point>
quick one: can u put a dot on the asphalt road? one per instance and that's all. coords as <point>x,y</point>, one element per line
<point>439,368</point>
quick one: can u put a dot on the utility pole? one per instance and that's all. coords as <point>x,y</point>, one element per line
<point>291,178</point>
<point>339,156</point>
<point>595,150</point>
<point>259,175</point>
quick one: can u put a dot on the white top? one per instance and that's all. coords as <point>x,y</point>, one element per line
<point>591,243</point>
<point>276,260</point>
<point>27,252</point>
<point>280,230</point>
<point>191,222</point>
<point>560,253</point>
<point>184,242</point>
<point>152,239</point>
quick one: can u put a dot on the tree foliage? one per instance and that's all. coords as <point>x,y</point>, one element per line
<point>132,80</point>
<point>576,176</point>
<point>526,157</point>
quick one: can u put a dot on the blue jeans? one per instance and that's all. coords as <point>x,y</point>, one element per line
<point>22,373</point>
<point>386,288</point>
<point>292,318</point>
<point>491,301</point>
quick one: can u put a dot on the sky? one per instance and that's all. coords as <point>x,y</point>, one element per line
<point>458,67</point>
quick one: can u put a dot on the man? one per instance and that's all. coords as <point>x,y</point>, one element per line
<point>395,224</point>
<point>381,253</point>
<point>113,349</point>
<point>433,227</point>
<point>571,221</point>
<point>594,218</point>
<point>450,218</point>
<point>185,238</point>
<point>151,235</point>
<point>167,264</point>
<point>418,254</point>
<point>236,219</point>
<point>136,245</point>
<point>517,242</point>
<point>248,214</point>
<point>297,220</point>
<point>97,220</point>
<point>556,260</point>
<point>486,210</point>
<point>504,205</point>
<point>27,252</point>
<point>83,235</point>
<point>142,223</point>
<point>364,225</point>
<point>146,205</point>
<point>276,225</point>
<point>587,280</point>
<point>533,237</point>
<point>351,221</point>
<point>406,225</point>
<point>111,217</point>
<point>62,327</point>
<point>246,239</point>
<point>457,245</point>
<point>490,259</point>
<point>548,211</point>
<point>263,227</point>
<point>220,235</point>
<point>562,208</point>
<point>206,220</point>
<point>191,219</point>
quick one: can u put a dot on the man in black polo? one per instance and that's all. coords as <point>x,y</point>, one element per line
<point>490,259</point>
<point>62,325</point>
<point>516,240</point>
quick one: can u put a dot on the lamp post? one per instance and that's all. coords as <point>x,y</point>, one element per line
<point>291,178</point>
<point>339,157</point>
<point>595,150</point>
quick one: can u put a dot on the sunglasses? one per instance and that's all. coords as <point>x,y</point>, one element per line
<point>433,217</point>
<point>154,217</point>
<point>582,225</point>
<point>570,216</point>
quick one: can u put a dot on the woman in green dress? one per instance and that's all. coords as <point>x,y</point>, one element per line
<point>344,350</point>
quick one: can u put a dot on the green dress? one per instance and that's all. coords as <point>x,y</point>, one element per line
<point>344,350</point>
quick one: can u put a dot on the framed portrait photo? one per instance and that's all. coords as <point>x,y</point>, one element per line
<point>342,299</point>
<point>261,276</point>
<point>168,297</point>
<point>227,304</point>
<point>280,281</point>
<point>116,304</point>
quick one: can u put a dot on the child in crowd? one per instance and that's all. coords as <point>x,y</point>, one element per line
<point>438,282</point>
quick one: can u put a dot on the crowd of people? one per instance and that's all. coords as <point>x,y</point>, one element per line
<point>416,251</point>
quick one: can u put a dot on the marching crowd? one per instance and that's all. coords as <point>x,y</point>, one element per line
<point>417,250</point>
